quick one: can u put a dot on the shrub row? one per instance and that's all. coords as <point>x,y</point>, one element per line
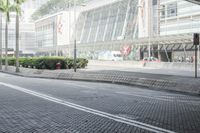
<point>47,62</point>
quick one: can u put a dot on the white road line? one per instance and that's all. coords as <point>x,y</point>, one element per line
<point>81,86</point>
<point>149,97</point>
<point>90,110</point>
<point>161,98</point>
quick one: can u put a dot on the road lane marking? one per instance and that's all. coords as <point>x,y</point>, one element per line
<point>161,98</point>
<point>145,96</point>
<point>81,86</point>
<point>90,110</point>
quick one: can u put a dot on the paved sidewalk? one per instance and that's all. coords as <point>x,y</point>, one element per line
<point>147,80</point>
<point>164,68</point>
<point>58,106</point>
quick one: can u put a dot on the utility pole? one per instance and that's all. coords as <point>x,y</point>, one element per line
<point>17,42</point>
<point>196,43</point>
<point>1,41</point>
<point>150,27</point>
<point>69,15</point>
<point>158,26</point>
<point>75,36</point>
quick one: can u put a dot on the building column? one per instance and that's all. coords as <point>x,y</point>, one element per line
<point>116,20</point>
<point>82,32</point>
<point>126,19</point>
<point>100,17</point>
<point>88,38</point>
<point>105,31</point>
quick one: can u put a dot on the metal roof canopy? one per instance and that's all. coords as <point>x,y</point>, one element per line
<point>157,40</point>
<point>194,1</point>
<point>161,40</point>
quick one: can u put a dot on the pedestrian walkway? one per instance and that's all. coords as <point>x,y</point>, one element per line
<point>164,68</point>
<point>148,80</point>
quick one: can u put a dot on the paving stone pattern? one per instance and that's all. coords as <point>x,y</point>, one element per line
<point>22,113</point>
<point>176,112</point>
<point>153,81</point>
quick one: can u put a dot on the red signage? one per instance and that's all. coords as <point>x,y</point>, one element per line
<point>126,50</point>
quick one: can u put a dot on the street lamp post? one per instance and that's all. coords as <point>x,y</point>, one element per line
<point>69,26</point>
<point>17,43</point>
<point>75,36</point>
<point>150,27</point>
<point>0,41</point>
<point>75,32</point>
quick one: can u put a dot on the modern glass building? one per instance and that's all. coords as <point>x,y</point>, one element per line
<point>159,28</point>
<point>52,32</point>
<point>97,28</point>
<point>110,22</point>
<point>56,31</point>
<point>27,29</point>
<point>100,27</point>
<point>135,28</point>
<point>26,38</point>
<point>178,17</point>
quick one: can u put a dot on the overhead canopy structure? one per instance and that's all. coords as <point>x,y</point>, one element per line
<point>194,1</point>
<point>168,41</point>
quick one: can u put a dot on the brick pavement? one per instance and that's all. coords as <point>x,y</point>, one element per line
<point>21,112</point>
<point>152,81</point>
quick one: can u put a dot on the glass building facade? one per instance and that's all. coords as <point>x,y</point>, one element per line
<point>110,22</point>
<point>54,31</point>
<point>118,25</point>
<point>27,38</point>
<point>45,33</point>
<point>178,17</point>
<point>106,24</point>
<point>134,28</point>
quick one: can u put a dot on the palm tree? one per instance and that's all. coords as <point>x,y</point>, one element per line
<point>18,12</point>
<point>5,7</point>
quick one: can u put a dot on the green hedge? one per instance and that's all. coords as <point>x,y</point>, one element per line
<point>11,61</point>
<point>47,62</point>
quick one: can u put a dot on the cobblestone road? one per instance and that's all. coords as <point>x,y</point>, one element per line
<point>47,107</point>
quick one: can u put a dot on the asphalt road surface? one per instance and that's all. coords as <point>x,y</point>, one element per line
<point>30,105</point>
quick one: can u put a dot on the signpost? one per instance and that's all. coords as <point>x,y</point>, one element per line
<point>196,43</point>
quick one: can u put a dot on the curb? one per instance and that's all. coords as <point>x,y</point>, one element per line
<point>152,84</point>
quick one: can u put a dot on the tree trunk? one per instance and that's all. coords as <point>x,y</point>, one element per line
<point>17,43</point>
<point>6,46</point>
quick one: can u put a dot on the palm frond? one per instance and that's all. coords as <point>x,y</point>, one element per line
<point>19,2</point>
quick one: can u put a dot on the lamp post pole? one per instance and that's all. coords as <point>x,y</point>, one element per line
<point>150,27</point>
<point>69,15</point>
<point>75,36</point>
<point>17,43</point>
<point>0,41</point>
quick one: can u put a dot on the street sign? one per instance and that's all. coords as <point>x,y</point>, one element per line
<point>196,39</point>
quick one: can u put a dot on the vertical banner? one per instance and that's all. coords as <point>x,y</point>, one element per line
<point>143,21</point>
<point>62,35</point>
